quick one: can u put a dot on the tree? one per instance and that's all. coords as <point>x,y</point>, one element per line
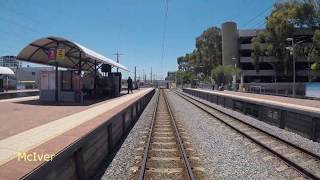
<point>315,67</point>
<point>185,76</point>
<point>316,40</point>
<point>209,49</point>
<point>279,27</point>
<point>208,54</point>
<point>258,49</point>
<point>223,74</point>
<point>286,18</point>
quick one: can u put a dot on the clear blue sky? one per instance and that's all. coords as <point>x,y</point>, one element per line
<point>134,27</point>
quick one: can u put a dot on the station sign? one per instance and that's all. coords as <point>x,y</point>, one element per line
<point>60,54</point>
<point>52,54</point>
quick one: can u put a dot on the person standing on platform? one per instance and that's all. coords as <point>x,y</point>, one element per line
<point>129,81</point>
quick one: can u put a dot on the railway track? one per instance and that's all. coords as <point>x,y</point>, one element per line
<point>167,154</point>
<point>301,159</point>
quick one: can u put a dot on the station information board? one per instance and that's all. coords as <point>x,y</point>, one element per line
<point>52,54</point>
<point>60,54</point>
<point>56,54</point>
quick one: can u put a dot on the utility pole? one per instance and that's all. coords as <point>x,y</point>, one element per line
<point>151,76</point>
<point>118,56</point>
<point>294,69</point>
<point>143,77</point>
<point>135,74</point>
<point>292,50</point>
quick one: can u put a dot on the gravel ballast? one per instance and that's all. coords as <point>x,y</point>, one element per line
<point>282,133</point>
<point>124,160</point>
<point>224,153</point>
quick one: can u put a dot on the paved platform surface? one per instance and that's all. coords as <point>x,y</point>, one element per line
<point>34,124</point>
<point>301,104</point>
<point>20,114</point>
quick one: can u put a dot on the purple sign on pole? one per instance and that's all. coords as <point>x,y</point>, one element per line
<point>52,54</point>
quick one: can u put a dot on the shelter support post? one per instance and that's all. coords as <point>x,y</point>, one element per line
<point>95,79</point>
<point>56,83</point>
<point>7,83</point>
<point>79,77</point>
<point>56,92</point>
<point>80,65</point>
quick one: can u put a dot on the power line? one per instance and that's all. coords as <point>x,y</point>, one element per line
<point>259,19</point>
<point>239,12</point>
<point>164,31</point>
<point>12,34</point>
<point>6,51</point>
<point>20,25</point>
<point>260,23</point>
<point>257,16</point>
<point>24,16</point>
<point>7,39</point>
<point>10,21</point>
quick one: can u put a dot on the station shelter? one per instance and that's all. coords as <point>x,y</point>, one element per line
<point>5,72</point>
<point>79,72</point>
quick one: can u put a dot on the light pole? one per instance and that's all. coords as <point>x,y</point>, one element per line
<point>235,73</point>
<point>292,50</point>
<point>294,65</point>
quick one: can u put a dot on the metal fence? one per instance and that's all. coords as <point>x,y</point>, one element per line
<point>278,89</point>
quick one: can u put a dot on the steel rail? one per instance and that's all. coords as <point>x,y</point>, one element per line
<point>146,151</point>
<point>287,160</point>
<point>181,146</point>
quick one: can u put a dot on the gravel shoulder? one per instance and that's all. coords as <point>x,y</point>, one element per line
<point>224,153</point>
<point>120,166</point>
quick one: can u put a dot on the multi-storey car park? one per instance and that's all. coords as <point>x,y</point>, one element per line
<point>237,48</point>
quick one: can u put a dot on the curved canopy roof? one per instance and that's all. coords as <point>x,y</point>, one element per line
<point>6,71</point>
<point>37,52</point>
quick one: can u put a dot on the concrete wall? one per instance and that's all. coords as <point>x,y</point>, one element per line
<point>229,43</point>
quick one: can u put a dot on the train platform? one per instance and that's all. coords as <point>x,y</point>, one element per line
<point>295,103</point>
<point>27,124</point>
<point>18,93</point>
